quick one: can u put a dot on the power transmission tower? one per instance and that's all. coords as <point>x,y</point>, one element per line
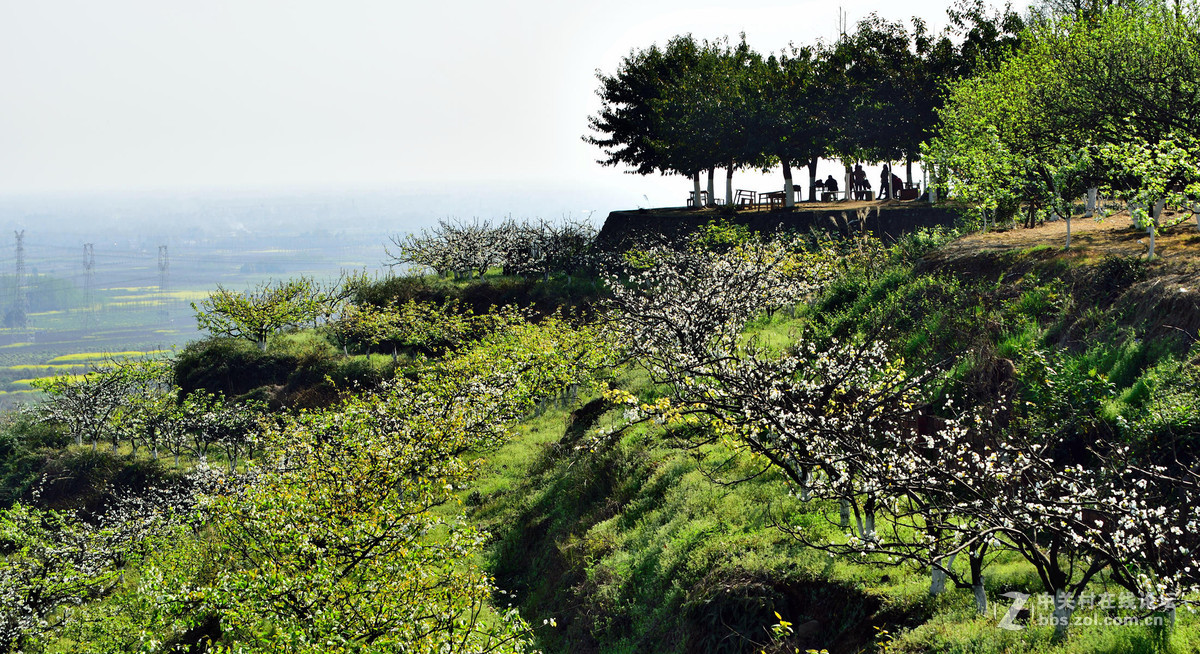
<point>19,309</point>
<point>89,274</point>
<point>164,268</point>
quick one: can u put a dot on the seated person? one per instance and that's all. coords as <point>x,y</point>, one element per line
<point>831,184</point>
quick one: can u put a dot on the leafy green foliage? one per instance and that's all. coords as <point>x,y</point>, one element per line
<point>264,310</point>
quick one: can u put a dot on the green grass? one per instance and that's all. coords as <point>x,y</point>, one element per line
<point>632,545</point>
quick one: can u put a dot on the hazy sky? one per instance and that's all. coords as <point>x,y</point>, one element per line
<point>128,95</point>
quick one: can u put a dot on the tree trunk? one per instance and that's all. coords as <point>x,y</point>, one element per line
<point>849,180</point>
<point>1062,614</point>
<point>729,185</point>
<point>937,581</point>
<point>977,587</point>
<point>789,199</point>
<point>980,593</point>
<point>812,180</point>
<point>845,515</point>
<point>1153,227</point>
<point>696,203</point>
<point>1068,219</point>
<point>712,191</point>
<point>908,168</point>
<point>1091,202</point>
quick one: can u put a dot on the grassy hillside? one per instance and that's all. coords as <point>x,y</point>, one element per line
<point>610,529</point>
<point>637,543</point>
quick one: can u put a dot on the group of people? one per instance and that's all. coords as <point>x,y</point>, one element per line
<point>862,185</point>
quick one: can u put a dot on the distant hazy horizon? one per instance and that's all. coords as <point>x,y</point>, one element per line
<point>137,95</point>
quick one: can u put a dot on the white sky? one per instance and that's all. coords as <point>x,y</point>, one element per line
<point>167,94</point>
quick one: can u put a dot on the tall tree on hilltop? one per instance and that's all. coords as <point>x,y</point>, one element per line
<point>790,119</point>
<point>653,112</point>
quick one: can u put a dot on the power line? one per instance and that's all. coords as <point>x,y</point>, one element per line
<point>18,318</point>
<point>89,273</point>
<point>164,267</point>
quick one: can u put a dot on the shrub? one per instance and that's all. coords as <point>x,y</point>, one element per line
<point>229,366</point>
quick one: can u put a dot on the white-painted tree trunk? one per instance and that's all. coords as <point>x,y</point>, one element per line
<point>980,593</point>
<point>729,187</point>
<point>849,180</point>
<point>1062,618</point>
<point>712,194</point>
<point>789,197</point>
<point>812,180</point>
<point>696,190</point>
<point>1068,230</point>
<point>1153,227</point>
<point>937,579</point>
<point>1091,202</point>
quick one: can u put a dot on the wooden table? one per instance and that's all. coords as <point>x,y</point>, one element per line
<point>744,197</point>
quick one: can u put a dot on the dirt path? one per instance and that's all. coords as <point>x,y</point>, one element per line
<point>1090,239</point>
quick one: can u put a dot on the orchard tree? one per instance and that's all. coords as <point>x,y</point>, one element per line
<point>345,538</point>
<point>258,313</point>
<point>89,404</point>
<point>1119,87</point>
<point>1150,176</point>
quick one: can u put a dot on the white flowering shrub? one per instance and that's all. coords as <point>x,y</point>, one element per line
<point>529,248</point>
